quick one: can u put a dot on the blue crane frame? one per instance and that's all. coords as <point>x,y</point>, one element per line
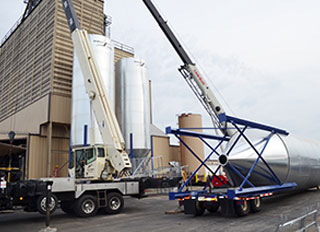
<point>241,126</point>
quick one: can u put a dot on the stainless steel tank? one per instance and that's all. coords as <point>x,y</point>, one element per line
<point>82,113</point>
<point>132,104</point>
<point>292,158</point>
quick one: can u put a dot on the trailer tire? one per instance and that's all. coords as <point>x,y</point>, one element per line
<point>115,203</point>
<point>242,207</point>
<point>41,204</point>
<point>256,205</point>
<point>67,207</point>
<point>86,206</point>
<point>199,209</point>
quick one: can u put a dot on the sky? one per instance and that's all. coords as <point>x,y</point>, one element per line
<point>261,58</point>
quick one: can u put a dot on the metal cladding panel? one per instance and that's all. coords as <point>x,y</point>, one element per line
<point>293,159</point>
<point>132,103</point>
<point>82,113</point>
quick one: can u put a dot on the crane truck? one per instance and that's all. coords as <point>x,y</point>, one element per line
<point>94,170</point>
<point>240,194</point>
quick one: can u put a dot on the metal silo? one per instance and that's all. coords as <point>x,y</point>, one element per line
<point>187,158</point>
<point>81,111</point>
<point>133,104</point>
<point>292,158</point>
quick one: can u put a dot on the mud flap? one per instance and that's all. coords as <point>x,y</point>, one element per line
<point>190,206</point>
<point>227,207</point>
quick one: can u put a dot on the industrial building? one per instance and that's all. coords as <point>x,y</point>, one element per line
<point>36,72</point>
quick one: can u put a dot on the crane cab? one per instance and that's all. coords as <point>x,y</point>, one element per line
<point>91,163</point>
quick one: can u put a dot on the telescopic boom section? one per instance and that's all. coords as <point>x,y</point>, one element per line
<point>108,124</point>
<point>168,32</point>
<point>191,73</point>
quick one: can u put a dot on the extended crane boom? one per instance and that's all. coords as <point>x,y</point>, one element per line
<point>108,124</point>
<point>191,73</point>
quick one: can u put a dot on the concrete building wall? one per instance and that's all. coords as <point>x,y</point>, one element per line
<point>28,119</point>
<point>25,67</point>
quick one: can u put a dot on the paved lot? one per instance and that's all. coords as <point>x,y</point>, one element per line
<point>149,215</point>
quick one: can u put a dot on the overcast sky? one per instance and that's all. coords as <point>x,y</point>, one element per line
<point>262,55</point>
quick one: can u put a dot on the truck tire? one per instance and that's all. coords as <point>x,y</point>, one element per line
<point>67,207</point>
<point>256,205</point>
<point>41,204</point>
<point>115,203</point>
<point>86,206</point>
<point>242,207</point>
<point>199,209</point>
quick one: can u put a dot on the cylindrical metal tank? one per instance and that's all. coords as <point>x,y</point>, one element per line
<point>82,113</point>
<point>132,104</point>
<point>292,158</point>
<point>187,158</point>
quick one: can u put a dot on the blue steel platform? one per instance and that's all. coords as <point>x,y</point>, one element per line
<point>236,191</point>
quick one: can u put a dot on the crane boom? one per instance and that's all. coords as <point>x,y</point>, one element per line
<point>108,124</point>
<point>191,73</point>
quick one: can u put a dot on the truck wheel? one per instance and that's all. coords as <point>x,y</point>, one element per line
<point>41,204</point>
<point>256,205</point>
<point>67,207</point>
<point>199,209</point>
<point>213,207</point>
<point>114,203</point>
<point>242,207</point>
<point>86,206</point>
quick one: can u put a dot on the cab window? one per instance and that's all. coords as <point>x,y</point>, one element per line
<point>72,158</point>
<point>91,156</point>
<point>80,157</point>
<point>101,152</point>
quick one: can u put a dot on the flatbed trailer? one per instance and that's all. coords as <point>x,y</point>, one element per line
<point>240,199</point>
